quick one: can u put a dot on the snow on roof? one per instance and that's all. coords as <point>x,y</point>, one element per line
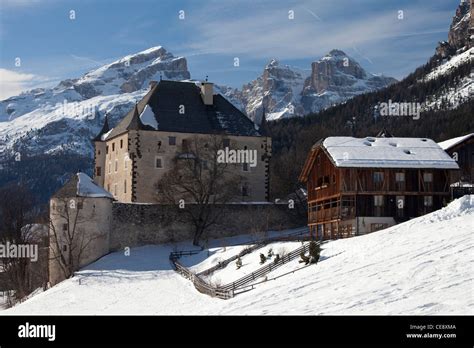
<point>148,117</point>
<point>387,153</point>
<point>88,188</point>
<point>454,141</point>
<point>105,135</point>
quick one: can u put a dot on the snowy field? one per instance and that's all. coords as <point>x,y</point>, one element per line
<point>424,266</point>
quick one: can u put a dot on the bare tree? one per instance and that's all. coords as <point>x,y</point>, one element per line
<point>198,182</point>
<point>68,241</point>
<point>17,214</point>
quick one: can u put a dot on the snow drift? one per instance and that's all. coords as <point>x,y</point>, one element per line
<point>423,266</point>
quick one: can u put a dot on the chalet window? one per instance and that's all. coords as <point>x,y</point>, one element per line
<point>116,166</point>
<point>98,171</point>
<point>428,177</point>
<point>399,177</point>
<point>378,177</point>
<point>226,143</point>
<point>245,167</point>
<point>378,205</point>
<point>113,147</point>
<point>158,162</point>
<point>172,141</point>
<point>378,201</point>
<point>320,182</point>
<point>428,201</point>
<point>121,143</point>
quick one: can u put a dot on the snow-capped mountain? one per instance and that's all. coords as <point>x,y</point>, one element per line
<point>65,118</point>
<point>284,91</point>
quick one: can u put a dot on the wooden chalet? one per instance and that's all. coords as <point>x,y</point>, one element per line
<point>361,185</point>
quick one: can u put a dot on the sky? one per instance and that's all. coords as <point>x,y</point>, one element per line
<point>45,41</point>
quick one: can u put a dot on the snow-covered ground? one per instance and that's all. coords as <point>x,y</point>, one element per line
<point>423,266</point>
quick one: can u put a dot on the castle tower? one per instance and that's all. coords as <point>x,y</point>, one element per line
<point>100,151</point>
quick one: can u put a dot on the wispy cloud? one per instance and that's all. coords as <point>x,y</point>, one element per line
<point>259,32</point>
<point>13,83</point>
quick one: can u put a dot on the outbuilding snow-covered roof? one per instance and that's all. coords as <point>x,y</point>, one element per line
<point>387,153</point>
<point>81,185</point>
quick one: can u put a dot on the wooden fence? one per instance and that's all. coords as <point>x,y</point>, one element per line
<point>228,291</point>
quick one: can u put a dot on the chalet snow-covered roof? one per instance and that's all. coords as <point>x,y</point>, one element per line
<point>374,152</point>
<point>81,185</point>
<point>160,109</point>
<point>447,144</point>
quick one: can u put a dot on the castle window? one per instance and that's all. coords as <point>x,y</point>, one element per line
<point>172,140</point>
<point>184,145</point>
<point>158,162</point>
<point>107,149</point>
<point>121,143</point>
<point>98,171</point>
<point>226,143</point>
<point>113,147</point>
<point>245,190</point>
<point>125,186</point>
<point>98,152</point>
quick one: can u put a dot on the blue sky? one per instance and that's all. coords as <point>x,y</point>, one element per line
<point>53,47</point>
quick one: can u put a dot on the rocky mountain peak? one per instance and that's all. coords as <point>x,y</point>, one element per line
<point>132,73</point>
<point>459,36</point>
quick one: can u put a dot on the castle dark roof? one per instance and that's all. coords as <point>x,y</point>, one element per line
<point>105,128</point>
<point>167,98</point>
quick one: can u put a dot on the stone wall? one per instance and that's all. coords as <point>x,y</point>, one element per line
<point>140,224</point>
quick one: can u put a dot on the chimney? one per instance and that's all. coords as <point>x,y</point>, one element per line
<point>207,92</point>
<point>152,84</point>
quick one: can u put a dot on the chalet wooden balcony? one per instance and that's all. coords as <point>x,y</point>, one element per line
<point>331,214</point>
